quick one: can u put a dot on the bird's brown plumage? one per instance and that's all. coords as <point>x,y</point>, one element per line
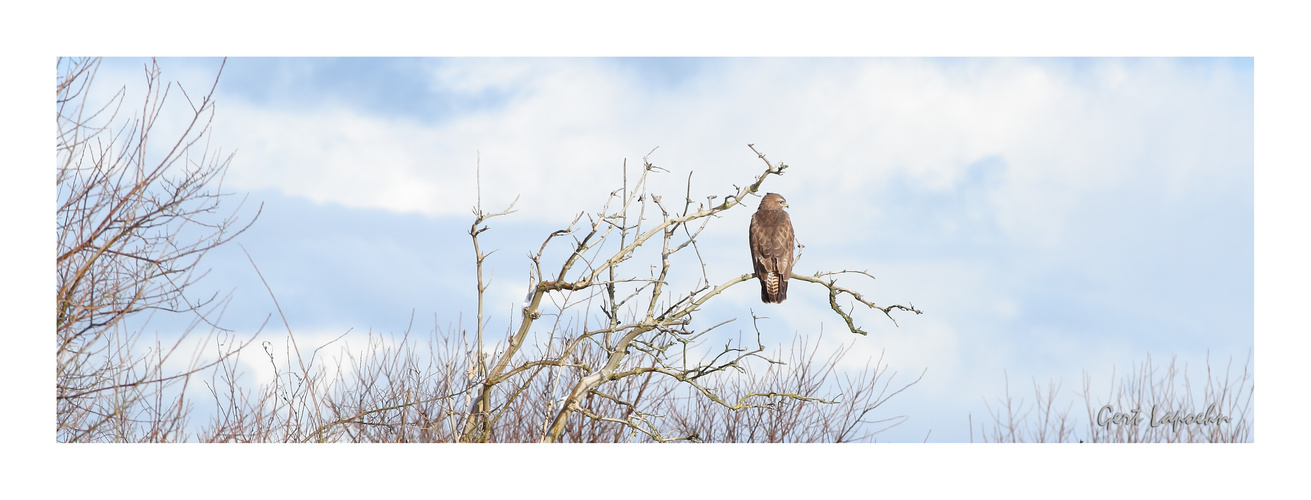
<point>771,248</point>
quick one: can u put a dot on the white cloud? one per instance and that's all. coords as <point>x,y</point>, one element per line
<point>846,126</point>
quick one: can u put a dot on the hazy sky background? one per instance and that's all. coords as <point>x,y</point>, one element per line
<point>1049,216</point>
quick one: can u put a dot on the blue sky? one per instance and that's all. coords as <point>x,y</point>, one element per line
<point>1049,216</point>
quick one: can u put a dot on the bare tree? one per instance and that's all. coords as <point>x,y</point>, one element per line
<point>135,214</point>
<point>644,327</point>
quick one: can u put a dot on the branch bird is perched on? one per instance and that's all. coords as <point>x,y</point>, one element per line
<point>771,248</point>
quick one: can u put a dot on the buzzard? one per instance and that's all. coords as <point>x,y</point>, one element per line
<point>771,248</point>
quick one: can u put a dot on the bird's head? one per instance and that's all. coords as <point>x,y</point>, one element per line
<point>773,201</point>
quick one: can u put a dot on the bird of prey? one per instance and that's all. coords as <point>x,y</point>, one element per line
<point>771,248</point>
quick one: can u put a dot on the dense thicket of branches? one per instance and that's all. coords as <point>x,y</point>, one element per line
<point>136,210</point>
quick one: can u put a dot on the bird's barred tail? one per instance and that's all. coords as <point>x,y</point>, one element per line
<point>773,289</point>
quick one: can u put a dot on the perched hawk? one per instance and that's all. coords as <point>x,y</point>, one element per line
<point>771,248</point>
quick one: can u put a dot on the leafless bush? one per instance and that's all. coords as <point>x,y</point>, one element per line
<point>395,390</point>
<point>787,402</point>
<point>135,213</point>
<point>1150,404</point>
